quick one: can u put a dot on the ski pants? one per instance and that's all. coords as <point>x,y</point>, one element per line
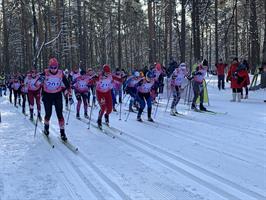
<point>246,89</point>
<point>176,95</point>
<point>37,96</point>
<point>25,98</point>
<point>133,93</point>
<point>221,81</point>
<point>16,96</point>
<point>105,102</point>
<point>56,99</point>
<point>198,91</point>
<point>10,94</point>
<point>82,96</point>
<point>142,97</point>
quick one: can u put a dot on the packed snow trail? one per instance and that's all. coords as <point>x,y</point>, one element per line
<point>195,156</point>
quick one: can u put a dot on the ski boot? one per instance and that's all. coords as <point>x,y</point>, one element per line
<point>39,117</point>
<point>86,115</point>
<point>149,115</point>
<point>63,135</point>
<point>77,116</point>
<point>106,117</point>
<point>193,106</point>
<point>99,122</point>
<point>202,108</point>
<point>139,119</point>
<point>173,112</point>
<point>46,130</point>
<point>23,111</point>
<point>114,109</point>
<point>31,115</point>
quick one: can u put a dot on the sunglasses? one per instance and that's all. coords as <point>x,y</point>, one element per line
<point>52,67</point>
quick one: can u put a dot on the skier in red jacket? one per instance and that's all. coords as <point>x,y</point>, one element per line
<point>220,67</point>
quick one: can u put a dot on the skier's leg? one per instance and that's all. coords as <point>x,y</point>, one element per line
<point>48,103</point>
<point>31,100</point>
<point>59,112</point>
<point>142,105</point>
<point>85,103</point>
<point>78,97</point>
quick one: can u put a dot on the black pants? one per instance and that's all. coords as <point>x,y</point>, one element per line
<point>236,90</point>
<point>198,91</point>
<point>24,99</point>
<point>246,88</point>
<point>16,96</point>
<point>177,96</point>
<point>55,99</point>
<point>221,81</point>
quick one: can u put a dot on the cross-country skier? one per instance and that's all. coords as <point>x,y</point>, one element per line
<point>144,88</point>
<point>16,86</point>
<point>104,86</point>
<point>34,92</point>
<point>198,78</point>
<point>53,82</point>
<point>177,78</point>
<point>118,78</point>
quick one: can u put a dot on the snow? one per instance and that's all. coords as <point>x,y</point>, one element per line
<point>197,156</point>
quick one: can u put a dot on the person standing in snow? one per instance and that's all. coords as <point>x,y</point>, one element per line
<point>237,77</point>
<point>244,66</point>
<point>54,82</point>
<point>220,67</point>
<point>66,95</point>
<point>198,88</point>
<point>91,76</point>
<point>24,94</point>
<point>34,92</point>
<point>177,78</point>
<point>104,86</point>
<point>118,78</point>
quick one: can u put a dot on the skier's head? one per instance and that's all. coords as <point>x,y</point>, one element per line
<point>82,72</point>
<point>33,72</point>
<point>53,65</point>
<point>235,60</point>
<point>106,69</point>
<point>158,66</point>
<point>183,66</point>
<point>220,60</point>
<point>136,74</point>
<point>205,63</point>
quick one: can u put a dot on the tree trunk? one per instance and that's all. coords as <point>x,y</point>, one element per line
<point>216,32</point>
<point>119,54</point>
<point>255,47</point>
<point>6,36</point>
<point>264,44</point>
<point>183,32</point>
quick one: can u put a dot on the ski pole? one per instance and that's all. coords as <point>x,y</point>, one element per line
<point>168,100</point>
<point>89,123</point>
<point>127,116</point>
<point>156,108</point>
<point>36,125</point>
<point>120,111</point>
<point>68,114</point>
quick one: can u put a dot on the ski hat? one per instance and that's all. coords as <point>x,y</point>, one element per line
<point>106,68</point>
<point>158,66</point>
<point>53,62</point>
<point>136,74</point>
<point>82,72</point>
<point>205,62</point>
<point>183,65</point>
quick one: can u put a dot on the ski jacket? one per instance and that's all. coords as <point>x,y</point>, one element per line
<point>178,77</point>
<point>220,67</point>
<point>30,82</point>
<point>104,84</point>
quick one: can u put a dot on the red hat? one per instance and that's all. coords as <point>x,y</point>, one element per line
<point>106,68</point>
<point>53,62</point>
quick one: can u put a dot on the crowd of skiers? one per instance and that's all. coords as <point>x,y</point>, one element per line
<point>143,87</point>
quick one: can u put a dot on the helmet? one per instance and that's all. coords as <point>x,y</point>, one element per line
<point>106,68</point>
<point>53,62</point>
<point>136,74</point>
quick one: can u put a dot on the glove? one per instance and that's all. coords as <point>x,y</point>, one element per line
<point>71,101</point>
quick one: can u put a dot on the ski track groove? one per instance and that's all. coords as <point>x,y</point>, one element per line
<point>209,145</point>
<point>64,178</point>
<point>108,181</point>
<point>245,149</point>
<point>191,165</point>
<point>194,166</point>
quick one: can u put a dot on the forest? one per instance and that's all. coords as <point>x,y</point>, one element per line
<point>130,34</point>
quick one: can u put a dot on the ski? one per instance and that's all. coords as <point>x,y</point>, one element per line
<point>113,129</point>
<point>209,112</point>
<point>48,139</point>
<point>69,145</point>
<point>104,131</point>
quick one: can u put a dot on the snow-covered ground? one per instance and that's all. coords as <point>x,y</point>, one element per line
<point>197,156</point>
